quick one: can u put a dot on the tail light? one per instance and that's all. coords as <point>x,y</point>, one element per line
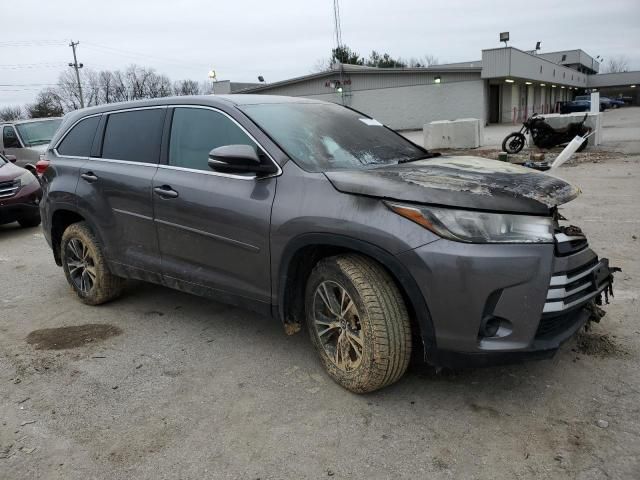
<point>41,166</point>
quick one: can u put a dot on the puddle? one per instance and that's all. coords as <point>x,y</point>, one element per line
<point>598,345</point>
<point>71,337</point>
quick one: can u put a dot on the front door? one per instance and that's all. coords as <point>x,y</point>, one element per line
<point>213,228</point>
<point>11,144</point>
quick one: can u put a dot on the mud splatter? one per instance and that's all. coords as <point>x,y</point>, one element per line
<point>71,337</point>
<point>598,345</point>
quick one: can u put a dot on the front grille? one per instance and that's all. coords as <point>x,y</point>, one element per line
<point>9,189</point>
<point>569,290</point>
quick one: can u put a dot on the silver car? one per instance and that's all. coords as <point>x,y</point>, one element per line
<point>316,214</point>
<point>27,139</point>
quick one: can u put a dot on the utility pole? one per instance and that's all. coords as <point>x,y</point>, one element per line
<point>77,66</point>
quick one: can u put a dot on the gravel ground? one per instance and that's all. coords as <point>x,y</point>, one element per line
<point>160,384</point>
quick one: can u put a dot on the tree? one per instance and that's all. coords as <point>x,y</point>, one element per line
<point>10,113</point>
<point>617,64</point>
<point>186,87</point>
<point>47,104</point>
<point>384,61</point>
<point>343,54</point>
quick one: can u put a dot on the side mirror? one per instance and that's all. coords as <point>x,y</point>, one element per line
<point>11,158</point>
<point>238,159</point>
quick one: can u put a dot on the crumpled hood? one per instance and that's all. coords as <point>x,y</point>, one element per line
<point>464,182</point>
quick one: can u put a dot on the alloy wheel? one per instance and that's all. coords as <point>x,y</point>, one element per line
<point>337,325</point>
<point>81,265</point>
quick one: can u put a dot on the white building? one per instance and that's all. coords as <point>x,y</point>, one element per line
<point>507,85</point>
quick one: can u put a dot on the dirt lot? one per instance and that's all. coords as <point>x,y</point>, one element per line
<point>160,384</point>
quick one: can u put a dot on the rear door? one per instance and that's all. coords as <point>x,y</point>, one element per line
<point>115,189</point>
<point>213,228</point>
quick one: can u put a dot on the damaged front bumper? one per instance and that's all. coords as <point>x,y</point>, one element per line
<point>497,304</point>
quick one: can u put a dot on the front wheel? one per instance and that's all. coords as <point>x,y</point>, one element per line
<point>513,143</point>
<point>358,322</point>
<point>85,266</point>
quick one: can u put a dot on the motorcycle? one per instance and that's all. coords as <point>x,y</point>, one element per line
<point>544,135</point>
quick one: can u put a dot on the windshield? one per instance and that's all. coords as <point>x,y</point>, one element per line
<point>321,137</point>
<point>38,133</point>
<point>3,161</point>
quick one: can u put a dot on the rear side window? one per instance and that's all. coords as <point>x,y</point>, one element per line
<point>134,136</point>
<point>196,131</point>
<point>77,142</point>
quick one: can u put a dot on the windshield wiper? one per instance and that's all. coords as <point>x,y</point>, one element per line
<point>424,157</point>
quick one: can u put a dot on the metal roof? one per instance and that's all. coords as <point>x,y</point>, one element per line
<point>364,70</point>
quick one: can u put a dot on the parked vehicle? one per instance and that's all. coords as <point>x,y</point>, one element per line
<point>27,139</point>
<point>604,103</point>
<point>576,106</point>
<point>317,214</point>
<point>544,135</point>
<point>614,102</point>
<point>20,194</point>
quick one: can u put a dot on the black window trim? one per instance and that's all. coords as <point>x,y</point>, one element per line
<point>15,132</point>
<point>55,148</point>
<point>220,174</point>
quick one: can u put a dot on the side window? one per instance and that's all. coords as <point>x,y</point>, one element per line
<point>134,136</point>
<point>9,138</point>
<point>196,131</point>
<point>77,143</point>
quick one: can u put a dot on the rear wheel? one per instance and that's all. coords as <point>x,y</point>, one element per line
<point>513,143</point>
<point>85,266</point>
<point>358,322</point>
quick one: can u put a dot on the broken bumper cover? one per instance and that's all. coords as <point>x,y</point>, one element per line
<point>538,298</point>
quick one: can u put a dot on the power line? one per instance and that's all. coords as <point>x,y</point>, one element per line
<point>16,66</point>
<point>31,43</point>
<point>132,54</point>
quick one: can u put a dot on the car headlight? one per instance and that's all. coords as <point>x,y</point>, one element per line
<point>27,178</point>
<point>478,227</point>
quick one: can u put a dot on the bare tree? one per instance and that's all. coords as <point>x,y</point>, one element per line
<point>429,60</point>
<point>107,86</point>
<point>186,87</point>
<point>10,113</point>
<point>617,64</point>
<point>321,65</point>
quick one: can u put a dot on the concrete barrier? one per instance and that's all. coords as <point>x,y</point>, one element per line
<point>461,133</point>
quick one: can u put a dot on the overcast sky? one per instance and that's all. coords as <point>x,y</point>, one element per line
<point>279,39</point>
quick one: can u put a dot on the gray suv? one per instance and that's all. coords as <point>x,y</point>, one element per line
<point>314,213</point>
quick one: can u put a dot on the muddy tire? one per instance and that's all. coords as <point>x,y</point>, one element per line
<point>85,267</point>
<point>29,222</point>
<point>513,143</point>
<point>358,322</point>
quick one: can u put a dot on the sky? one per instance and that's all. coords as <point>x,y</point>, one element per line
<point>280,39</point>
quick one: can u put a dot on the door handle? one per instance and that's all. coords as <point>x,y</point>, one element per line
<point>89,177</point>
<point>165,191</point>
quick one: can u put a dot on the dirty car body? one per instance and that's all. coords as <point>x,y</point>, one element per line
<point>475,247</point>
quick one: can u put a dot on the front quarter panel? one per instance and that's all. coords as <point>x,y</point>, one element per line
<point>308,203</point>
